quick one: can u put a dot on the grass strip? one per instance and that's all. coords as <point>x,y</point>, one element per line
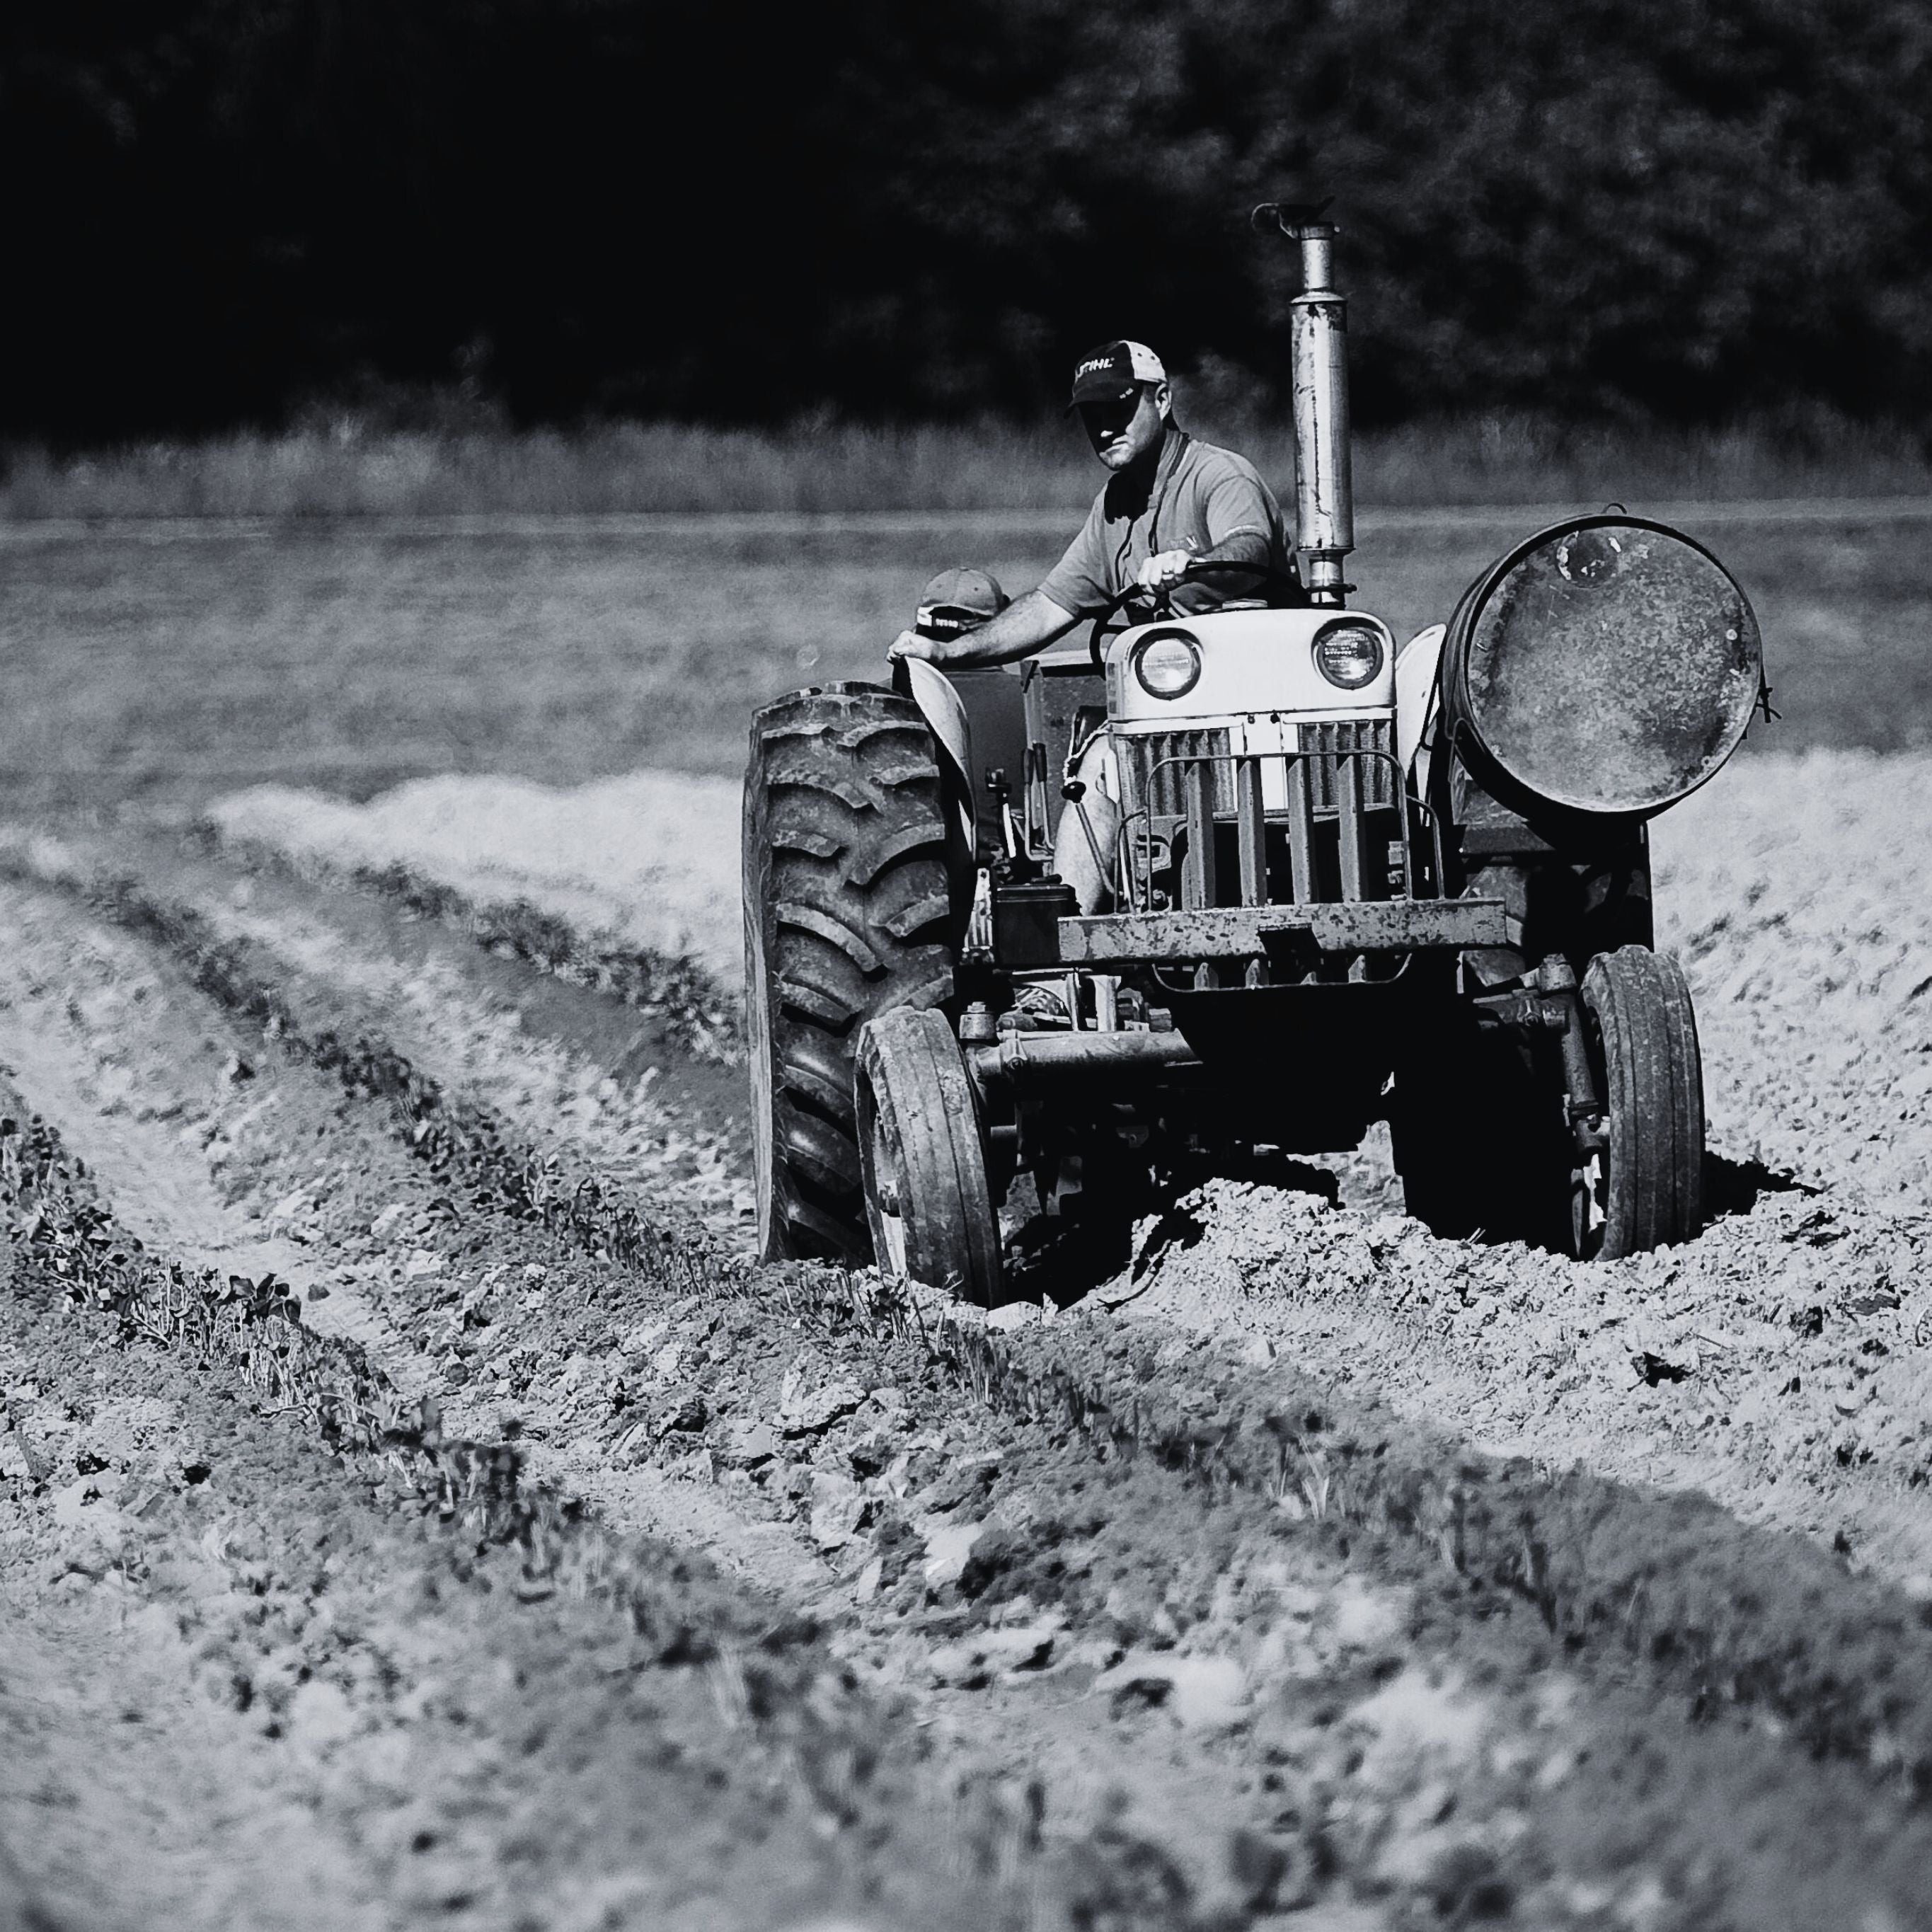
<point>359,465</point>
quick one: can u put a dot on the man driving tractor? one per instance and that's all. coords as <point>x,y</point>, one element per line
<point>1362,885</point>
<point>1171,501</point>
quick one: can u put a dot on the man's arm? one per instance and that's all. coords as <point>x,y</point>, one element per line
<point>1027,624</point>
<point>1239,516</point>
<point>1249,547</point>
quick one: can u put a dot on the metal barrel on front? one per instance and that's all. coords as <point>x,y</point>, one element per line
<point>1608,665</point>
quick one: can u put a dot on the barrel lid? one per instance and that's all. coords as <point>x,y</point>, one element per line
<point>1607,665</point>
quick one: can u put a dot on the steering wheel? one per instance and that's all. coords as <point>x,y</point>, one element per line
<point>1294,595</point>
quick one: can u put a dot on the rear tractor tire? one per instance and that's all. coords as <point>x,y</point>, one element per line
<point>1646,1188</point>
<point>848,915</point>
<point>930,1209</point>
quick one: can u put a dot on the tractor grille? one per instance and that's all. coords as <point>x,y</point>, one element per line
<point>1378,775</point>
<point>1166,782</point>
<point>1324,822</point>
<point>1167,756</point>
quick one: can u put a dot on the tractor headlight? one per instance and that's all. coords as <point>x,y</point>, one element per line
<point>1349,653</point>
<point>1168,663</point>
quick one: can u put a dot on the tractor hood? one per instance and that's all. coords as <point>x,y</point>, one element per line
<point>1242,663</point>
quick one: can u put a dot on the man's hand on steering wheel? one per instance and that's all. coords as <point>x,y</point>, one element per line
<point>1164,570</point>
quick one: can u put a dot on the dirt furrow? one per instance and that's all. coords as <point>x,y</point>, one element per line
<point>351,1712</point>
<point>1775,1364</point>
<point>199,1140</point>
<point>881,1780</point>
<point>1778,1364</point>
<point>697,1006</point>
<point>1049,1724</point>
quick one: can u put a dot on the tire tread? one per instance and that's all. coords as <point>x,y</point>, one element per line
<point>847,912</point>
<point>909,1063</point>
<point>1654,1075</point>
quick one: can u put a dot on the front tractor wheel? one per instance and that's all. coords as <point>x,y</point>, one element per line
<point>848,915</point>
<point>932,1211</point>
<point>1644,1189</point>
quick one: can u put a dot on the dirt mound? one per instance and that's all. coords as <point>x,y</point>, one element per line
<point>1778,1363</point>
<point>649,861</point>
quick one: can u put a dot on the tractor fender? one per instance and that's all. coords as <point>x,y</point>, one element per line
<point>1416,700</point>
<point>939,704</point>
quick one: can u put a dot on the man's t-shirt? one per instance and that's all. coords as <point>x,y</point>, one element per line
<point>1200,496</point>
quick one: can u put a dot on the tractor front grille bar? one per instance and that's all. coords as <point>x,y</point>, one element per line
<point>1237,932</point>
<point>1331,753</point>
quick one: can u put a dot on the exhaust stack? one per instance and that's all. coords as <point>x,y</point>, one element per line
<point>1324,493</point>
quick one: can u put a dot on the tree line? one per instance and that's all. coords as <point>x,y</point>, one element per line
<point>221,209</point>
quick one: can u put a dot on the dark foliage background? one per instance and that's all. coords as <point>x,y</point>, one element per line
<point>218,208</point>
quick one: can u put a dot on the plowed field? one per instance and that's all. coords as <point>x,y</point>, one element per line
<point>415,1508</point>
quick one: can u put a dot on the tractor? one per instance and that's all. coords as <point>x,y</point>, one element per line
<point>1351,883</point>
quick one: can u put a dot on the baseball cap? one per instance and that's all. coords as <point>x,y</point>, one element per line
<point>1110,372</point>
<point>958,600</point>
